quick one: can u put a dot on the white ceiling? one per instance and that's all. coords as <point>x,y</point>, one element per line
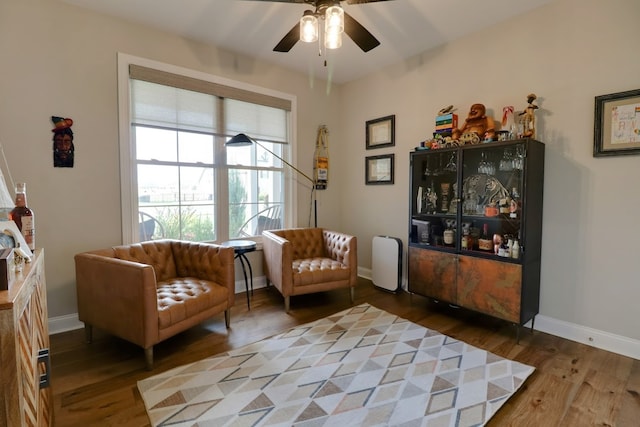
<point>403,27</point>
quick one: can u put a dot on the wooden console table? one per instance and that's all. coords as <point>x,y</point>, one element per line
<point>25,394</point>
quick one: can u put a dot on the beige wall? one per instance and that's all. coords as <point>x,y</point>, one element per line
<point>567,53</point>
<point>60,60</point>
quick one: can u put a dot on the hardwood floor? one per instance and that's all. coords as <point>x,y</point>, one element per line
<point>573,385</point>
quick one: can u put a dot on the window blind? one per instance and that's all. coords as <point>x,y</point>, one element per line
<point>169,79</point>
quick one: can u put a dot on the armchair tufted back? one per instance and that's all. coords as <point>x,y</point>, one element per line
<point>194,260</point>
<point>172,258</point>
<point>156,253</point>
<point>305,242</point>
<point>337,246</point>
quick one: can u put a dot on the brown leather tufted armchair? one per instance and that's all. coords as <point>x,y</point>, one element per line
<point>147,292</point>
<point>305,260</point>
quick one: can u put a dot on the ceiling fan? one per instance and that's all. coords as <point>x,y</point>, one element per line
<point>336,21</point>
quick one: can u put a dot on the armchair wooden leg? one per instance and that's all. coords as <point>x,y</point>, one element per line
<point>88,333</point>
<point>148,356</point>
<point>286,303</point>
<point>227,317</point>
<point>352,290</point>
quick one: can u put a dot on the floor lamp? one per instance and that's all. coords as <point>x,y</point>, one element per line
<point>241,140</point>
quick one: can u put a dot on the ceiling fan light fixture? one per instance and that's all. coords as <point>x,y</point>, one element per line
<point>332,39</point>
<point>334,19</point>
<point>308,27</point>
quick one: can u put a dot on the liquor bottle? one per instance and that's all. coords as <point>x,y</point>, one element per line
<point>449,236</point>
<point>514,206</point>
<point>485,242</point>
<point>432,199</point>
<point>515,249</point>
<point>504,205</point>
<point>466,242</point>
<point>503,250</point>
<point>445,188</point>
<point>23,216</point>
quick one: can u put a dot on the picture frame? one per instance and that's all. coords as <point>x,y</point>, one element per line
<point>11,237</point>
<point>617,124</point>
<point>381,132</point>
<point>379,169</point>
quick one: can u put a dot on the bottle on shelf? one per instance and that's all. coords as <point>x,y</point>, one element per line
<point>449,236</point>
<point>503,250</point>
<point>504,205</point>
<point>485,242</point>
<point>23,216</point>
<point>515,249</point>
<point>514,206</point>
<point>432,199</point>
<point>445,188</point>
<point>464,242</point>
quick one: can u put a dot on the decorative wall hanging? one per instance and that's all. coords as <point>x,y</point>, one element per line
<point>381,132</point>
<point>63,147</point>
<point>321,159</point>
<point>617,124</point>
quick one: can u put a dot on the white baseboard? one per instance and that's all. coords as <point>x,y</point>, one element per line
<point>65,323</point>
<point>258,282</point>
<point>365,273</point>
<point>604,340</point>
<point>571,331</point>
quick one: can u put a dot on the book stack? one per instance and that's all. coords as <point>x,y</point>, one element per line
<point>445,124</point>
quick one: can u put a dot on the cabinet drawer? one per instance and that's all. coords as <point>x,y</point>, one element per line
<point>432,274</point>
<point>490,287</point>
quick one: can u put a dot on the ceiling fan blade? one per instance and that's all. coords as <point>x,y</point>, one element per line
<point>289,40</point>
<point>364,1</point>
<point>359,34</point>
<point>289,1</point>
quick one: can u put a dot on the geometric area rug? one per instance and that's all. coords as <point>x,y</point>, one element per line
<point>360,367</point>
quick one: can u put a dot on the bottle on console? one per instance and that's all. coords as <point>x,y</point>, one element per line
<point>23,216</point>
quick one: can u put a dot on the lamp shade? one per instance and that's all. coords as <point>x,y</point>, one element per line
<point>6,201</point>
<point>332,40</point>
<point>334,19</point>
<point>240,140</point>
<point>309,27</point>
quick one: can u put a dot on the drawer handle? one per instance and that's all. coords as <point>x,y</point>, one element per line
<point>43,357</point>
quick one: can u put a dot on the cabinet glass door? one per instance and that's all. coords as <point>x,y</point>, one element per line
<point>436,198</point>
<point>491,203</point>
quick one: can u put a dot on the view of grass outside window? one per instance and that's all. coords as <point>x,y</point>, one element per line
<point>189,185</point>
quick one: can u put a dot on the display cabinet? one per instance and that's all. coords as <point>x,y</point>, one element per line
<point>475,227</point>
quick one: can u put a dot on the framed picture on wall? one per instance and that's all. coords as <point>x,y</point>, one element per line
<point>379,169</point>
<point>617,124</point>
<point>381,132</point>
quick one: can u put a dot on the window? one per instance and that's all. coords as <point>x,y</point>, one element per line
<point>178,178</point>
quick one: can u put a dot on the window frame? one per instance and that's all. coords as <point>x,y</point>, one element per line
<point>128,163</point>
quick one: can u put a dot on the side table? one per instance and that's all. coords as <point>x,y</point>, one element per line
<point>242,247</point>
